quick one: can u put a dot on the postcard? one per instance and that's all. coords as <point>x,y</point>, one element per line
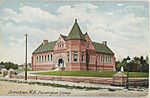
<point>74,48</point>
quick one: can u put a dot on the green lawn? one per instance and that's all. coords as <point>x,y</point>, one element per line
<point>91,73</point>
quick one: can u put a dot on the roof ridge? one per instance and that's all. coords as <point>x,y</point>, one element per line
<point>102,48</point>
<point>49,46</point>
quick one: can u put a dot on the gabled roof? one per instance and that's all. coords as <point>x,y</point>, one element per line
<point>102,48</point>
<point>76,33</point>
<point>45,48</point>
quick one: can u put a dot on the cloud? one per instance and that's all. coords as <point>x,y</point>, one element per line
<point>19,42</point>
<point>21,4</point>
<point>121,31</point>
<point>86,5</point>
<point>46,5</point>
<point>12,38</point>
<point>109,13</point>
<point>119,4</point>
<point>28,14</point>
<point>132,18</point>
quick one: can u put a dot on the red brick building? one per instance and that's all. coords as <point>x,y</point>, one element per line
<point>73,52</point>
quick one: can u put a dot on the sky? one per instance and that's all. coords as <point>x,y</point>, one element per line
<point>124,25</point>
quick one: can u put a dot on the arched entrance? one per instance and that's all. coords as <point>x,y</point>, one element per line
<point>60,63</point>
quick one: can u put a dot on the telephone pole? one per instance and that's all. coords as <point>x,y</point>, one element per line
<point>26,58</point>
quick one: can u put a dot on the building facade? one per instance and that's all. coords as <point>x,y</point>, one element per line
<point>73,52</point>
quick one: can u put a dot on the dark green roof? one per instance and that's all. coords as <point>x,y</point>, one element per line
<point>50,47</point>
<point>64,37</point>
<point>75,33</point>
<point>102,48</point>
<point>45,48</point>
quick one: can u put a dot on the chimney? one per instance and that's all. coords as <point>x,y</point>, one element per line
<point>105,43</point>
<point>45,41</point>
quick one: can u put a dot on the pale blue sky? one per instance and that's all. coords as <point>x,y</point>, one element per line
<point>124,25</point>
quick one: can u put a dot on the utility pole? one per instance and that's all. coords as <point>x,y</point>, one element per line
<point>128,61</point>
<point>26,58</point>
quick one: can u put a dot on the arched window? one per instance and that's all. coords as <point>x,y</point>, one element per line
<point>82,56</point>
<point>75,56</point>
<point>68,56</point>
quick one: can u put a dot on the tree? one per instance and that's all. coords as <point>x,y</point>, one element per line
<point>137,64</point>
<point>147,59</point>
<point>119,64</point>
<point>134,65</point>
<point>9,65</point>
<point>2,63</point>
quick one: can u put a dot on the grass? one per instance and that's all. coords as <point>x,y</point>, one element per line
<point>91,73</point>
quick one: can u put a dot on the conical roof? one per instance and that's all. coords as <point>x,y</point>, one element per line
<point>76,33</point>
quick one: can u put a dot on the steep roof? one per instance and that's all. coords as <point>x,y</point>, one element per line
<point>76,33</point>
<point>102,48</point>
<point>45,48</point>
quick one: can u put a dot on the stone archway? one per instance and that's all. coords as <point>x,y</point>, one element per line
<point>60,60</point>
<point>60,63</point>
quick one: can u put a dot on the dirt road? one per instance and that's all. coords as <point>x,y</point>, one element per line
<point>23,89</point>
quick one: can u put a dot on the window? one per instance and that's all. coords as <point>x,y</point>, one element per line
<point>110,59</point>
<point>42,58</point>
<point>103,59</point>
<point>37,58</point>
<point>45,58</point>
<point>82,56</point>
<point>75,56</point>
<point>99,58</point>
<point>62,45</point>
<point>68,56</point>
<point>51,57</point>
<point>106,59</point>
<point>48,57</point>
<point>88,44</point>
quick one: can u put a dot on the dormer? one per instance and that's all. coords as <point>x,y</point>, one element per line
<point>61,43</point>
